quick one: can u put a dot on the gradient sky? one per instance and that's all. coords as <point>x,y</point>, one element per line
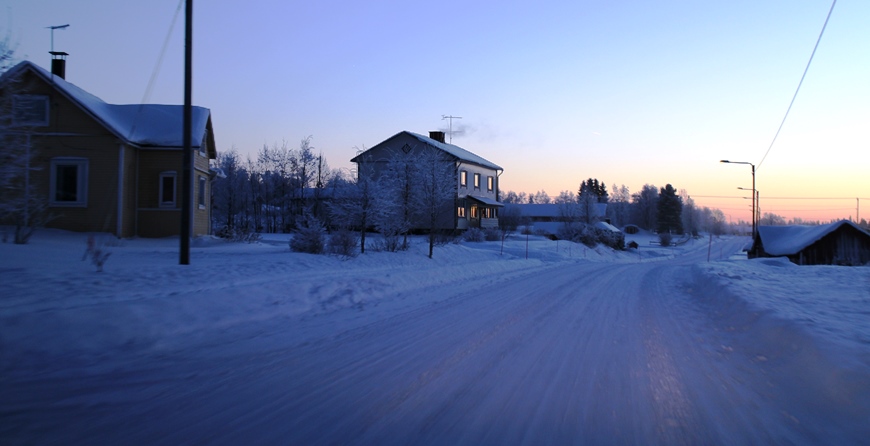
<point>629,92</point>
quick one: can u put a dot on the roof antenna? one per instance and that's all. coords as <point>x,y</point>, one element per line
<point>450,125</point>
<point>52,28</point>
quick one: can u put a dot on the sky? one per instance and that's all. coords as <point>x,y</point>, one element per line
<point>629,92</point>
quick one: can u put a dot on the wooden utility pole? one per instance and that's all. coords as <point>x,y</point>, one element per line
<point>187,167</point>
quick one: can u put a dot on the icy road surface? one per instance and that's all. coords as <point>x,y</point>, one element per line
<point>572,353</point>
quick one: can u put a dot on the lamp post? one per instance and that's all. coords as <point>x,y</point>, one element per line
<point>754,220</point>
<point>757,203</point>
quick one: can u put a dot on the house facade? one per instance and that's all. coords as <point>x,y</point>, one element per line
<point>838,243</point>
<point>104,167</point>
<point>474,201</point>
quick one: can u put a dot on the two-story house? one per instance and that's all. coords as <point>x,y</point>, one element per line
<point>103,167</point>
<point>475,197</point>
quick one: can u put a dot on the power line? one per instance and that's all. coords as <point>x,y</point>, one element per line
<point>799,85</point>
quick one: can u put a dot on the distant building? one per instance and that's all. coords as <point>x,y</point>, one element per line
<point>475,202</point>
<point>550,217</point>
<point>840,243</point>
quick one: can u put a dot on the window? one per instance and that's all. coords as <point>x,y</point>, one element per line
<point>200,200</point>
<point>167,189</point>
<point>477,181</point>
<point>490,182</point>
<point>68,182</point>
<point>474,212</point>
<point>463,178</point>
<point>29,110</point>
<point>460,211</point>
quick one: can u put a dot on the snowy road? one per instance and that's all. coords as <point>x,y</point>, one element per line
<point>591,353</point>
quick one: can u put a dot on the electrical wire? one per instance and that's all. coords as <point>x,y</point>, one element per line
<point>156,70</point>
<point>798,87</point>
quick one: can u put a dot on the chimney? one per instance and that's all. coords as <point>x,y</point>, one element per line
<point>437,136</point>
<point>58,63</point>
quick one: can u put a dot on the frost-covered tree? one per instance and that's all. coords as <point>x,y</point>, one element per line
<point>618,206</point>
<point>587,200</point>
<point>436,182</point>
<point>20,203</point>
<point>771,219</point>
<point>644,206</point>
<point>539,197</point>
<point>564,197</point>
<point>230,193</point>
<point>355,206</point>
<point>395,203</point>
<point>691,217</point>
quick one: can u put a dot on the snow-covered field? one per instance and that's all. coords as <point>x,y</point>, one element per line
<point>85,345</point>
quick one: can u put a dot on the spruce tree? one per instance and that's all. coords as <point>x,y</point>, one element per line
<point>670,207</point>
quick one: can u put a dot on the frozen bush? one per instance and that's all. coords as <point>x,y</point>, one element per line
<point>343,243</point>
<point>492,234</point>
<point>309,237</point>
<point>236,234</point>
<point>473,235</point>
<point>665,238</point>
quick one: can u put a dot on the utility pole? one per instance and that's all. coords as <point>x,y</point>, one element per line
<point>187,162</point>
<point>450,119</point>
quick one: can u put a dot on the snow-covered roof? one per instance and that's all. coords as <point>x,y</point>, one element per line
<point>787,240</point>
<point>485,200</point>
<point>140,124</point>
<point>456,151</point>
<point>606,226</point>
<point>554,209</point>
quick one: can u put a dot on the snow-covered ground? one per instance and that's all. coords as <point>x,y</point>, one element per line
<point>140,350</point>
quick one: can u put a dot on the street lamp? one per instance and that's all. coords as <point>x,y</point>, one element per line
<point>757,203</point>
<point>754,225</point>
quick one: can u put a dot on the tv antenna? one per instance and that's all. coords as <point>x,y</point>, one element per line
<point>450,119</point>
<point>52,28</point>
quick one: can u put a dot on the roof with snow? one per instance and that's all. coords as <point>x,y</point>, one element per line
<point>148,125</point>
<point>553,210</point>
<point>788,240</point>
<point>484,200</point>
<point>456,151</point>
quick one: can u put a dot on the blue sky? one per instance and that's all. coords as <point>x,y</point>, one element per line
<point>629,92</point>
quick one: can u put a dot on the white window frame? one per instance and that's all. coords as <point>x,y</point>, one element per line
<point>81,182</point>
<point>463,178</point>
<point>200,196</point>
<point>168,204</point>
<point>20,98</point>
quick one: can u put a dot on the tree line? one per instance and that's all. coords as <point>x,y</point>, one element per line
<point>655,209</point>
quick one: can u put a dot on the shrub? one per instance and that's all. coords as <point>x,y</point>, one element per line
<point>665,238</point>
<point>343,243</point>
<point>310,237</point>
<point>236,234</point>
<point>97,252</point>
<point>473,235</point>
<point>492,235</point>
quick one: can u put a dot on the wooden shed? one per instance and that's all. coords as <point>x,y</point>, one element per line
<point>839,243</point>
